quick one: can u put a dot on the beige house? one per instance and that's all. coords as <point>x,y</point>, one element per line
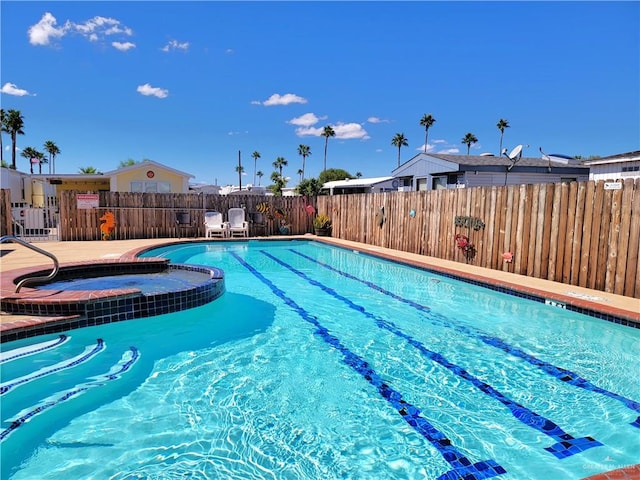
<point>149,177</point>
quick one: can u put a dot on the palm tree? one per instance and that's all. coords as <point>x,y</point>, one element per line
<point>502,124</point>
<point>240,170</point>
<point>326,133</point>
<point>301,173</point>
<point>14,124</point>
<point>41,160</point>
<point>427,122</point>
<point>399,141</point>
<point>256,156</point>
<point>89,170</point>
<point>469,139</point>
<point>279,163</point>
<point>358,174</point>
<point>259,174</point>
<point>53,150</point>
<point>3,129</point>
<point>29,153</point>
<point>305,151</point>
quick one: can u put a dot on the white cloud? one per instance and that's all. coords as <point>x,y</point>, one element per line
<point>12,89</point>
<point>123,47</point>
<point>344,131</point>
<point>439,141</point>
<point>306,120</point>
<point>42,32</point>
<point>100,26</point>
<point>148,90</point>
<point>286,99</point>
<point>175,45</point>
<point>350,130</point>
<point>376,120</point>
<point>452,151</point>
<point>94,29</point>
<point>229,51</point>
<point>421,148</point>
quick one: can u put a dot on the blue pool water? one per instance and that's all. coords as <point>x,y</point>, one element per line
<point>147,283</point>
<point>320,362</point>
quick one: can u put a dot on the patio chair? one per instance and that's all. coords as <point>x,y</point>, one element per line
<point>214,226</point>
<point>238,226</point>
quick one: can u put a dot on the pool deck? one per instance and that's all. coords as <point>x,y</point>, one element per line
<point>15,257</point>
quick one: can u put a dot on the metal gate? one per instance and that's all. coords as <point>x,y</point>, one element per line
<point>36,223</point>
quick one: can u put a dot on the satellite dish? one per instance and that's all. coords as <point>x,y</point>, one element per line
<point>515,153</point>
<point>487,154</point>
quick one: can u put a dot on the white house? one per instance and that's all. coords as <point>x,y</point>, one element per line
<point>615,167</point>
<point>431,171</point>
<point>361,185</point>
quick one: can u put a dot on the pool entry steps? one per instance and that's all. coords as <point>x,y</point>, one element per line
<point>93,293</point>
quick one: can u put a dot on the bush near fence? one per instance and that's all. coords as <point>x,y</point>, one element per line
<point>574,233</point>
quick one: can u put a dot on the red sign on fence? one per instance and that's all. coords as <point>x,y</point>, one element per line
<point>87,200</point>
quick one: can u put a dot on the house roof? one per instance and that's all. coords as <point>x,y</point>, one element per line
<point>478,160</point>
<point>355,182</point>
<point>619,158</point>
<point>145,164</point>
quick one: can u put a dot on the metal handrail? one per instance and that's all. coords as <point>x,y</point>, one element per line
<point>30,280</point>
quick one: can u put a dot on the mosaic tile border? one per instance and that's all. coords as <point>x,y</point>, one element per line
<point>67,310</point>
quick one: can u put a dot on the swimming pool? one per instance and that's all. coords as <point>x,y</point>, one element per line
<point>320,362</point>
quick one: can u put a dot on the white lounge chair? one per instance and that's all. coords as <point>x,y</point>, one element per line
<point>238,226</point>
<point>214,226</point>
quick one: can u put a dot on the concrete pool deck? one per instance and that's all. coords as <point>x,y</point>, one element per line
<point>14,257</point>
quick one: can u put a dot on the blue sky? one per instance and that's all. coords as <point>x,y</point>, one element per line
<point>189,84</point>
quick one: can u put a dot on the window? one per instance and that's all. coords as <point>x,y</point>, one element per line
<point>150,187</point>
<point>421,184</point>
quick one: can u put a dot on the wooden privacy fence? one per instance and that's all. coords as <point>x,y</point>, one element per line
<point>5,213</point>
<point>156,215</point>
<point>576,233</point>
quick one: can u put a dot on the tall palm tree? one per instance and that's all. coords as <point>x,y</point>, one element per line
<point>41,160</point>
<point>469,139</point>
<point>427,122</point>
<point>358,174</point>
<point>301,173</point>
<point>14,125</point>
<point>259,174</point>
<point>279,163</point>
<point>399,140</point>
<point>502,124</point>
<point>240,170</point>
<point>326,133</point>
<point>305,151</point>
<point>256,156</point>
<point>30,153</point>
<point>53,150</point>
<point>3,129</point>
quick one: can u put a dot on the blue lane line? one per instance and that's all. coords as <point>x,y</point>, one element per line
<point>566,445</point>
<point>560,373</point>
<point>76,391</point>
<point>99,346</point>
<point>463,469</point>
<point>33,349</point>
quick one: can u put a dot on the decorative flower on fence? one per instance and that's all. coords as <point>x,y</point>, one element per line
<point>467,248</point>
